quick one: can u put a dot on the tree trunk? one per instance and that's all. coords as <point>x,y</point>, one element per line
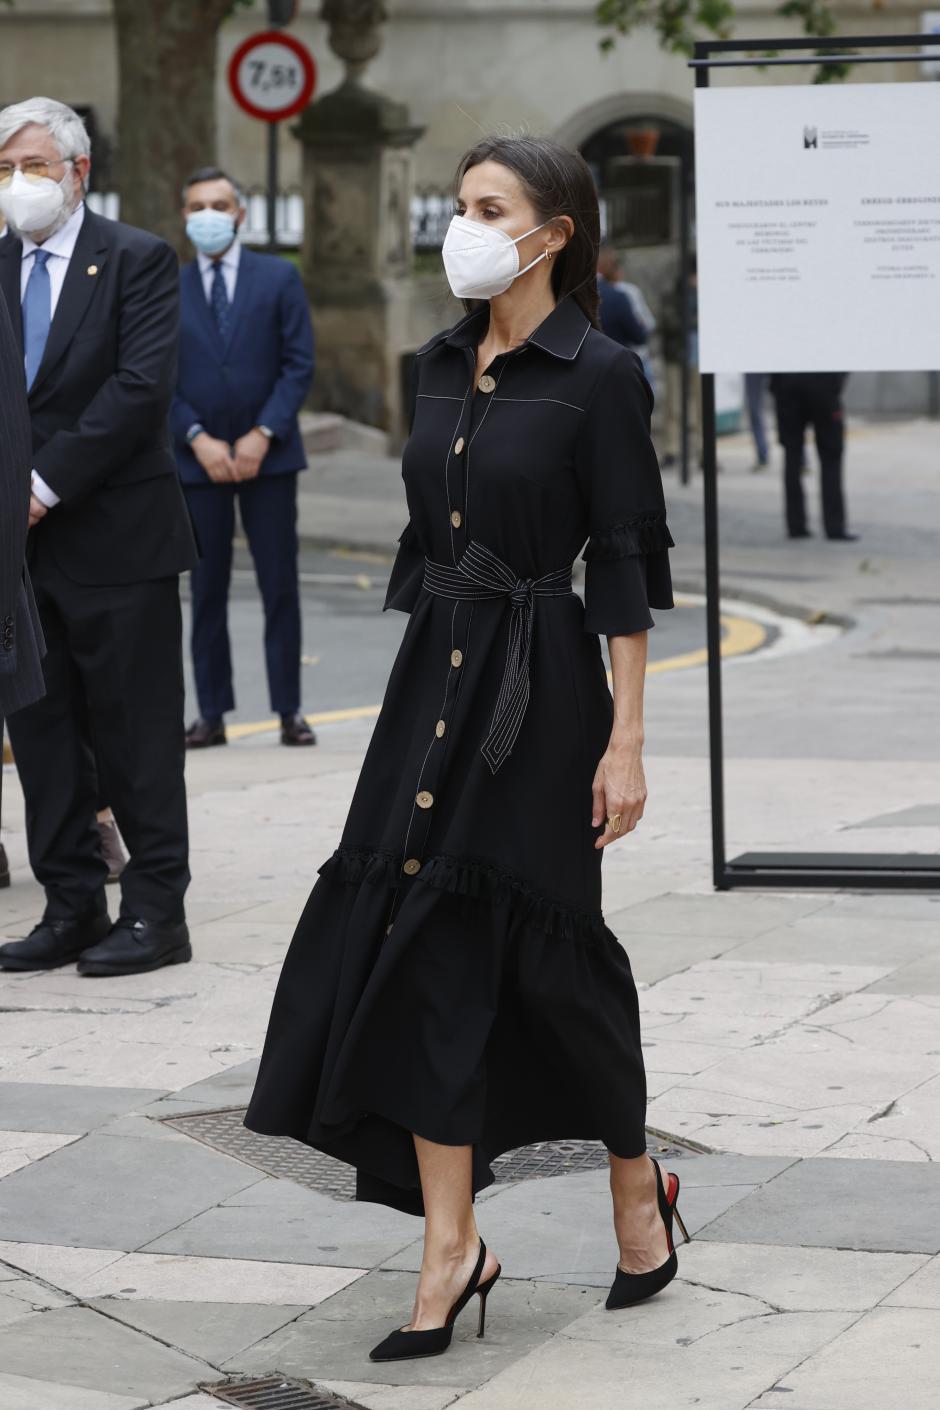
<point>166,105</point>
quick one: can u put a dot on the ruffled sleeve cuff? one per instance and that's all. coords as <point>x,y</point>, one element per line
<point>627,574</point>
<point>407,574</point>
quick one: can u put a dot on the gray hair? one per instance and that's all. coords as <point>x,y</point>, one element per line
<point>63,123</point>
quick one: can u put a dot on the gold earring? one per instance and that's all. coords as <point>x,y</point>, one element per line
<point>548,254</point>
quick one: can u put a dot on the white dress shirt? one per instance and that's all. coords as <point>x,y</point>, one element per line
<point>229,262</point>
<point>61,246</point>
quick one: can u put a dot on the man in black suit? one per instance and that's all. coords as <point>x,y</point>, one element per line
<point>20,634</point>
<point>95,303</point>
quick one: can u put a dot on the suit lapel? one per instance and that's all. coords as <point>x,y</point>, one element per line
<point>11,259</point>
<point>89,255</point>
<point>243,285</point>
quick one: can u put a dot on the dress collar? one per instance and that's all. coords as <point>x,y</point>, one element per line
<point>561,333</point>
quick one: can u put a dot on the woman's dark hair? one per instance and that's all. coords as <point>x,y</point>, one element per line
<point>558,182</point>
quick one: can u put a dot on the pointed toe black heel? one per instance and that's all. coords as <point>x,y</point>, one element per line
<point>407,1346</point>
<point>628,1288</point>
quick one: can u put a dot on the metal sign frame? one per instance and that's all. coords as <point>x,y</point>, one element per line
<point>859,870</point>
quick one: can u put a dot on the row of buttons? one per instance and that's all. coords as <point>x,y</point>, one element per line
<point>424,799</point>
<point>8,633</point>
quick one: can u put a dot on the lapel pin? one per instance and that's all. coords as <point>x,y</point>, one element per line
<point>92,269</point>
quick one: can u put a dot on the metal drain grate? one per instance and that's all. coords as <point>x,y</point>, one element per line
<point>275,1393</point>
<point>290,1160</point>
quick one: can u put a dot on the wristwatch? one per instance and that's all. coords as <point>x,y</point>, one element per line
<point>196,429</point>
<point>266,432</point>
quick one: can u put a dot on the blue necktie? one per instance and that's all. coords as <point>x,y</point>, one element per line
<point>37,314</point>
<point>221,308</point>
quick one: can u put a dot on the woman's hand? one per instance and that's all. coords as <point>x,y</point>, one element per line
<point>619,787</point>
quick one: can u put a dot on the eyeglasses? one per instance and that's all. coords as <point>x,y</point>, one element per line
<point>32,170</point>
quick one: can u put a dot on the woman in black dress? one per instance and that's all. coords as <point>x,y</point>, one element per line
<point>452,991</point>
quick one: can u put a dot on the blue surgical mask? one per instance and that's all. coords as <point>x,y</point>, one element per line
<point>211,231</point>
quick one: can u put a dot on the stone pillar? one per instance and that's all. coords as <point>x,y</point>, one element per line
<point>356,259</point>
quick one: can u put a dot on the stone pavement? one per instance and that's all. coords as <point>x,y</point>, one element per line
<point>794,1037</point>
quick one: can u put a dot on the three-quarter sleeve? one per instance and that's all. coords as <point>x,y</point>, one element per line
<point>407,573</point>
<point>627,553</point>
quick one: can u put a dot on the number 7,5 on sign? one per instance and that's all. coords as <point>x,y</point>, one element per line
<point>272,76</point>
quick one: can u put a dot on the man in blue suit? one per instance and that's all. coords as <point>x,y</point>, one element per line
<point>245,367</point>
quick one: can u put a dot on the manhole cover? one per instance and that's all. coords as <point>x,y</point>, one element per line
<point>274,1393</point>
<point>290,1160</point>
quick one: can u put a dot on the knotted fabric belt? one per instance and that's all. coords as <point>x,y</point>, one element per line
<point>480,574</point>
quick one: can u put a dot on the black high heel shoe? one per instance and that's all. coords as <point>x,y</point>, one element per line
<point>405,1345</point>
<point>629,1288</point>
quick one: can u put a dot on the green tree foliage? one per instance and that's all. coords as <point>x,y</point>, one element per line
<point>678,23</point>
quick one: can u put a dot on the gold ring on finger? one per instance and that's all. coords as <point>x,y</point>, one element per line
<point>614,821</point>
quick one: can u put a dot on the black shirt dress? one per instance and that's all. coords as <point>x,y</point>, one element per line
<point>451,974</point>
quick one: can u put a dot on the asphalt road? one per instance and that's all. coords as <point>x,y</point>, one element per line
<point>349,644</point>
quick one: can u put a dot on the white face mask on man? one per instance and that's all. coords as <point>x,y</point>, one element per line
<point>481,261</point>
<point>30,206</point>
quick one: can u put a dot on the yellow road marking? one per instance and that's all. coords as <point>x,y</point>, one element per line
<point>740,636</point>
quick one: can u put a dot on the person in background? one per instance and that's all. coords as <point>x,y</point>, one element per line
<point>246,364</point>
<point>619,317</point>
<point>755,384</point>
<point>96,306</point>
<point>610,277</point>
<point>812,399</point>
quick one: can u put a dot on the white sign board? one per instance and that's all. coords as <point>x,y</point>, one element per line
<point>818,228</point>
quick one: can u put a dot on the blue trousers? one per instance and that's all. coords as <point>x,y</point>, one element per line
<point>267,507</point>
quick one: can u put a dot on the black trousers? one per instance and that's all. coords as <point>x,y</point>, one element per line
<point>111,719</point>
<point>811,399</point>
<point>268,510</point>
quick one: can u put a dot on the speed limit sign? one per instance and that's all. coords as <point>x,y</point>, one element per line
<point>272,76</point>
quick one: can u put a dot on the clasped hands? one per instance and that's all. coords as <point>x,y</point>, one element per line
<point>225,464</point>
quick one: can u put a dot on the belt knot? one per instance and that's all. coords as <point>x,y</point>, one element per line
<point>521,595</point>
<point>481,574</point>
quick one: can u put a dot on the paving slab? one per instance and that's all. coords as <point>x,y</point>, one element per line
<point>279,1221</point>
<point>882,1206</point>
<point>62,1266</point>
<point>27,1393</point>
<point>334,1340</point>
<point>889,1357</point>
<point>729,915</point>
<point>922,1289</point>
<point>920,976</point>
<point>800,1279</point>
<point>606,1360</point>
<point>410,1397</point>
<point>217,1331</point>
<point>183,1278</point>
<point>40,1106</point>
<point>100,1354</point>
<point>233,1087</point>
<point>19,1148</point>
<point>20,1297</point>
<point>115,1190</point>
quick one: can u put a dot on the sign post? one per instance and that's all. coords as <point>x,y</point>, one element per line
<point>272,77</point>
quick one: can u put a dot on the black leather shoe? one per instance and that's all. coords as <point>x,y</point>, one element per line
<point>844,537</point>
<point>295,730</point>
<point>799,534</point>
<point>52,943</point>
<point>202,734</point>
<point>4,868</point>
<point>137,946</point>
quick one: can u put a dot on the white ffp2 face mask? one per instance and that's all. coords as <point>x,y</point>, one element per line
<point>29,206</point>
<point>481,261</point>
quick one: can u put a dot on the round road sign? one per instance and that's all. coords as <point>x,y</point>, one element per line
<point>272,76</point>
